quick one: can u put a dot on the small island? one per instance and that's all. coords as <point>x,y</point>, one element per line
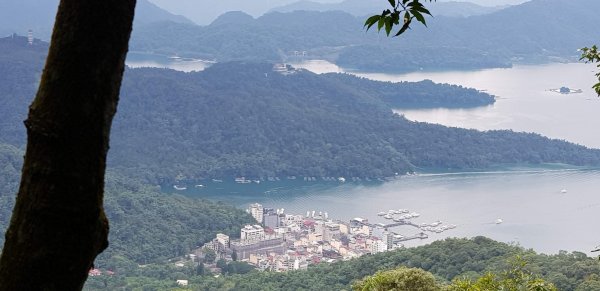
<point>566,90</point>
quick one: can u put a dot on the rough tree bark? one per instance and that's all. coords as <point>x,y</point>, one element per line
<point>58,225</point>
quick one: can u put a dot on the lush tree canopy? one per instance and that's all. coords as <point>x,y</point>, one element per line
<point>592,55</point>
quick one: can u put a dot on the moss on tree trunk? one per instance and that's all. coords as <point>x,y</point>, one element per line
<point>58,225</point>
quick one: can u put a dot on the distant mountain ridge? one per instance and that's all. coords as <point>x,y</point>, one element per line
<point>533,32</point>
<point>370,7</point>
<point>20,16</point>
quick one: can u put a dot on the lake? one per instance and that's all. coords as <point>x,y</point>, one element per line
<point>150,60</point>
<point>535,212</point>
<point>523,100</point>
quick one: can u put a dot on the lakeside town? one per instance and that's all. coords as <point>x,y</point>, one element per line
<point>281,242</point>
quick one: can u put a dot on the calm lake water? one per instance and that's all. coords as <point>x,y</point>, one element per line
<point>523,104</point>
<point>535,211</point>
<point>147,60</point>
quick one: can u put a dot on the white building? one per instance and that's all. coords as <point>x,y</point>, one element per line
<point>182,283</point>
<point>256,210</point>
<point>252,233</point>
<point>377,246</point>
<point>223,239</point>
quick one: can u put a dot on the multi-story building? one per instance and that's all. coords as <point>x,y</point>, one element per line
<point>252,233</point>
<point>223,239</point>
<point>376,245</point>
<point>256,210</point>
<point>270,218</point>
<point>331,231</point>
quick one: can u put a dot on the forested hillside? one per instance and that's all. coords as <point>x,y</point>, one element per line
<point>536,31</point>
<point>245,119</point>
<point>145,225</point>
<point>447,259</point>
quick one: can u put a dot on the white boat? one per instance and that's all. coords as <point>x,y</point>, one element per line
<point>499,220</point>
<point>242,180</point>
<point>199,186</point>
<point>387,216</point>
<point>179,188</point>
<point>563,191</point>
<point>381,213</point>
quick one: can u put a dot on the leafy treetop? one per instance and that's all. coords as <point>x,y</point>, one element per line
<point>592,55</point>
<point>408,10</point>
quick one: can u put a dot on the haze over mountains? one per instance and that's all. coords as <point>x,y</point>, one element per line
<point>533,32</point>
<point>20,16</point>
<point>370,7</point>
<point>537,31</point>
<point>204,12</point>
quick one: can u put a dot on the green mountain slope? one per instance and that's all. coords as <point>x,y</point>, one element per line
<point>245,119</point>
<point>446,259</point>
<point>145,225</point>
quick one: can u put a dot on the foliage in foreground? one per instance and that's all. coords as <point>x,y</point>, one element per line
<point>515,278</point>
<point>145,225</point>
<point>400,279</point>
<point>593,56</point>
<point>460,259</point>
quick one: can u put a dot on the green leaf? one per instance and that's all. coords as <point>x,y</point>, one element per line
<point>392,2</point>
<point>419,16</point>
<point>380,23</point>
<point>371,20</point>
<point>388,26</point>
<point>404,28</point>
<point>422,9</point>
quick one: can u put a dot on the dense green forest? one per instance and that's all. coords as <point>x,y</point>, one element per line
<point>145,225</point>
<point>536,31</point>
<point>447,259</point>
<point>424,94</point>
<point>244,119</point>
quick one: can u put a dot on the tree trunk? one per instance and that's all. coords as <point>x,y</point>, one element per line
<point>58,225</point>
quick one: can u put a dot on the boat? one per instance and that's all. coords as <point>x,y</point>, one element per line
<point>381,213</point>
<point>499,220</point>
<point>242,180</point>
<point>179,188</point>
<point>563,191</point>
<point>175,57</point>
<point>217,181</point>
<point>387,216</point>
<point>199,186</point>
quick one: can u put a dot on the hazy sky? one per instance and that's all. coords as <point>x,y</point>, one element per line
<point>203,12</point>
